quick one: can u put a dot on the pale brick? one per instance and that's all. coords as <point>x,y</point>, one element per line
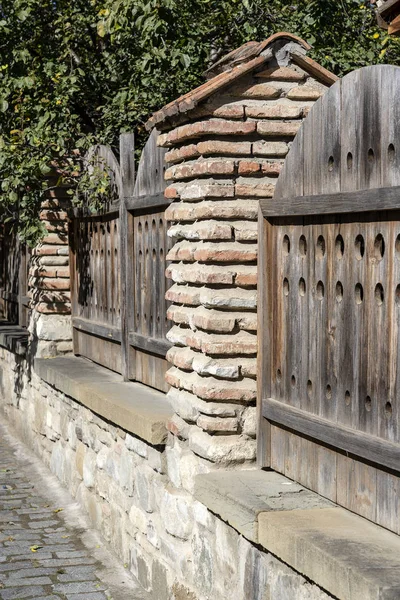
<point>245,231</point>
<point>183,153</point>
<point>184,295</point>
<point>188,406</point>
<point>286,129</point>
<point>53,261</point>
<point>199,189</point>
<point>202,230</point>
<point>238,343</point>
<point>53,215</point>
<point>258,90</point>
<point>54,238</point>
<point>217,424</point>
<point>221,449</point>
<point>185,211</point>
<point>281,74</point>
<point>178,427</point>
<point>263,148</point>
<point>253,187</point>
<point>48,283</point>
<point>181,357</point>
<point>225,252</point>
<point>53,309</point>
<point>304,93</point>
<point>249,421</point>
<point>199,273</point>
<point>205,128</point>
<point>277,111</point>
<point>45,250</point>
<point>236,298</point>
<point>188,170</point>
<point>224,147</point>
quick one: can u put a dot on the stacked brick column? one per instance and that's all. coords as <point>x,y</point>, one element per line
<point>222,160</point>
<point>49,279</point>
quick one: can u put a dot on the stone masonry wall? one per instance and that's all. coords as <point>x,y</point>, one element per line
<point>175,547</point>
<point>220,164</point>
<point>49,279</point>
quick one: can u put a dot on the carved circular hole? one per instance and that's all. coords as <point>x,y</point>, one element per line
<point>146,226</point>
<point>302,245</point>
<point>320,290</point>
<point>279,375</point>
<point>388,409</point>
<point>286,244</point>
<point>293,380</point>
<point>391,153</point>
<point>379,247</point>
<point>349,160</point>
<point>309,387</point>
<point>140,227</point>
<point>379,294</point>
<point>331,162</point>
<point>328,392</point>
<point>286,287</point>
<point>321,246</point>
<point>347,398</point>
<point>398,295</point>
<point>302,287</point>
<point>360,247</point>
<point>339,246</point>
<point>370,155</point>
<point>339,291</point>
<point>368,404</point>
<point>359,293</point>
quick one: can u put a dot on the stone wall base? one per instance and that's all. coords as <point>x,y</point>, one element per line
<point>172,543</point>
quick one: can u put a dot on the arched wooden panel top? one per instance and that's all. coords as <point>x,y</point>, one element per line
<point>350,141</point>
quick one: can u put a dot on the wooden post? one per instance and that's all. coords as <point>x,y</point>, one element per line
<point>127,170</point>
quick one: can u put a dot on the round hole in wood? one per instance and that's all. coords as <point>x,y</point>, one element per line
<point>339,291</point>
<point>379,247</point>
<point>379,294</point>
<point>286,244</point>
<point>328,392</point>
<point>302,245</point>
<point>286,287</point>
<point>320,290</point>
<point>331,162</point>
<point>347,398</point>
<point>368,404</point>
<point>321,246</point>
<point>360,247</point>
<point>302,287</point>
<point>391,153</point>
<point>388,409</point>
<point>339,246</point>
<point>349,160</point>
<point>309,387</point>
<point>370,155</point>
<point>398,295</point>
<point>146,226</point>
<point>359,293</point>
<point>293,380</point>
<point>279,375</point>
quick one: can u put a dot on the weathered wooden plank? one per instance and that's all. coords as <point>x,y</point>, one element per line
<point>330,204</point>
<point>149,344</point>
<point>371,448</point>
<point>144,203</point>
<point>98,329</point>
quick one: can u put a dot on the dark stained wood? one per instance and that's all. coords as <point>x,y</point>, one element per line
<point>369,447</point>
<point>143,203</point>
<point>153,345</point>
<point>103,331</point>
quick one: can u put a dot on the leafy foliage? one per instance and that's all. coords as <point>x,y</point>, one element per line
<point>78,72</point>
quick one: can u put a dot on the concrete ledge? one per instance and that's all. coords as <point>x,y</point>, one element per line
<point>14,339</point>
<point>348,556</point>
<point>134,407</point>
<point>238,497</point>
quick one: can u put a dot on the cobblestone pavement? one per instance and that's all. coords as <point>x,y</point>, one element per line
<point>47,550</point>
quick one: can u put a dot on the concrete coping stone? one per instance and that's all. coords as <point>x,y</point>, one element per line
<point>350,557</point>
<point>14,338</point>
<point>136,408</point>
<point>238,497</point>
<point>343,553</point>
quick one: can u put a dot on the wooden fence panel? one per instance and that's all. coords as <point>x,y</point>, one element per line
<point>14,259</point>
<point>329,301</point>
<point>118,269</point>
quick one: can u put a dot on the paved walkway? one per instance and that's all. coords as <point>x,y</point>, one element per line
<point>47,549</point>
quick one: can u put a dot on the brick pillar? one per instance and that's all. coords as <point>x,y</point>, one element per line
<point>49,283</point>
<point>225,158</point>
